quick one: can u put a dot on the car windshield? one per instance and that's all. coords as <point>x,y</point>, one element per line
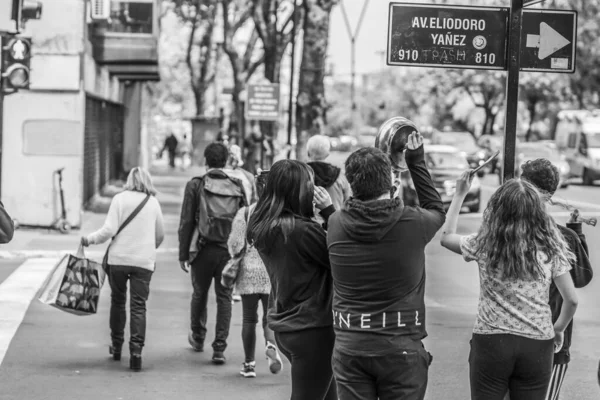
<point>464,141</point>
<point>447,160</point>
<point>593,140</point>
<point>532,153</point>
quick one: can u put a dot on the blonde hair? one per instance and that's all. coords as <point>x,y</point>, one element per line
<point>318,147</point>
<point>139,180</point>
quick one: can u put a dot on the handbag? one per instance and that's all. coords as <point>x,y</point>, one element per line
<point>232,268</point>
<point>123,225</point>
<point>74,285</point>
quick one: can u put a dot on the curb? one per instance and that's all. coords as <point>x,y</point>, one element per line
<point>27,254</point>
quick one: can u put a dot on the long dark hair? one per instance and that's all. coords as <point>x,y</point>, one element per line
<point>516,229</point>
<point>288,193</point>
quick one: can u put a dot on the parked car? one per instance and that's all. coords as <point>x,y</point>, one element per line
<point>528,151</point>
<point>534,150</point>
<point>445,164</point>
<point>577,135</point>
<point>466,143</point>
<point>490,144</point>
<point>366,137</point>
<point>343,143</point>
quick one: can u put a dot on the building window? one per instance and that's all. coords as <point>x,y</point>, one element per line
<point>131,16</point>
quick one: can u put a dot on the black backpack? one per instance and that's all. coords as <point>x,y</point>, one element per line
<point>220,198</point>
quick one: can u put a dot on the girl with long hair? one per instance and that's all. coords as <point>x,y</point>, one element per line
<point>520,252</point>
<point>294,250</point>
<point>132,258</point>
<point>253,286</point>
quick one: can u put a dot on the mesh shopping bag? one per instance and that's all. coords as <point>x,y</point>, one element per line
<point>74,285</point>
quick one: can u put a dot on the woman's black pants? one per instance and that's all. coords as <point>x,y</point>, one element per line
<point>309,351</point>
<point>139,279</point>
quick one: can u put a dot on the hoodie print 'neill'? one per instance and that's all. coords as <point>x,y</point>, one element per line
<point>377,256</point>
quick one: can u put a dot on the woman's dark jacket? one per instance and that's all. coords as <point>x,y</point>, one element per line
<point>301,285</point>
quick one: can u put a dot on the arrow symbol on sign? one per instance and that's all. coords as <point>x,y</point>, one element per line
<point>548,41</point>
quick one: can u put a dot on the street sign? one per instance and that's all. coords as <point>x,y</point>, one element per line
<point>549,40</point>
<point>263,102</point>
<point>435,35</point>
<point>528,3</point>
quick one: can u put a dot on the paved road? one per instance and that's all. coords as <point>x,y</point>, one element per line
<point>54,355</point>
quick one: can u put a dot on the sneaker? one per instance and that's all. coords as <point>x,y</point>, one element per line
<point>198,347</point>
<point>218,358</point>
<point>275,363</point>
<point>247,370</point>
<point>236,298</point>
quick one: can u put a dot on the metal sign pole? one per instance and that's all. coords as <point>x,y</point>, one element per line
<point>292,72</point>
<point>512,88</point>
<point>353,36</point>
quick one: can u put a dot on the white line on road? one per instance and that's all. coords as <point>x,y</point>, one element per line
<point>59,253</point>
<point>16,293</point>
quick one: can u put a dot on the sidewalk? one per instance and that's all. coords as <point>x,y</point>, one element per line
<point>170,184</point>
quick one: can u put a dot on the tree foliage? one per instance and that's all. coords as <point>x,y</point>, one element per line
<point>201,55</point>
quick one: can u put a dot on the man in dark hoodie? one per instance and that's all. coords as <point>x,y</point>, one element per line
<point>377,255</point>
<point>327,176</point>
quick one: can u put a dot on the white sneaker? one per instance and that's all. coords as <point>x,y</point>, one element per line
<point>248,371</point>
<point>275,363</point>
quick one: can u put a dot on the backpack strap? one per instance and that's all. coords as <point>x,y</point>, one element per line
<point>132,215</point>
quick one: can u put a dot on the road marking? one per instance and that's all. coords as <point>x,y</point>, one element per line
<point>16,294</point>
<point>558,214</point>
<point>59,253</point>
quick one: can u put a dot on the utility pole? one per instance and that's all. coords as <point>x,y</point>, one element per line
<point>381,54</point>
<point>292,72</point>
<point>353,36</point>
<point>512,87</point>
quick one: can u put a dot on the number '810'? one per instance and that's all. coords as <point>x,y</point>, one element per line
<point>485,58</point>
<point>408,55</point>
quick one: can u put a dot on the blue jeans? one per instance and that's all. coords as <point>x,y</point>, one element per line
<point>139,291</point>
<point>400,375</point>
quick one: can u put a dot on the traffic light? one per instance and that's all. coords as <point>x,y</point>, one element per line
<point>15,61</point>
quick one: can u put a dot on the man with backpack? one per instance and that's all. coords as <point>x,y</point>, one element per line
<point>209,205</point>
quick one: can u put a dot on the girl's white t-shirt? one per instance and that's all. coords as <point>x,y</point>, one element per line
<point>516,307</point>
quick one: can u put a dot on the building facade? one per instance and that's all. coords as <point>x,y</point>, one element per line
<point>84,110</point>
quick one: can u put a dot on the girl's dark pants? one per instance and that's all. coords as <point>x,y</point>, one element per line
<point>250,303</point>
<point>502,362</point>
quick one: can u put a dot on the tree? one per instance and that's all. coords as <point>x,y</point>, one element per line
<point>199,16</point>
<point>311,105</point>
<point>275,34</point>
<point>244,63</point>
<point>487,91</point>
<point>538,90</point>
<point>585,82</point>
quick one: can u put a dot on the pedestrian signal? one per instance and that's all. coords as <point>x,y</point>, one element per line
<point>15,62</point>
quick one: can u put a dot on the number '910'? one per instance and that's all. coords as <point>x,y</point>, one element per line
<point>408,55</point>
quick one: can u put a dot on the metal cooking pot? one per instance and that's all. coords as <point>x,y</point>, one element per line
<point>392,139</point>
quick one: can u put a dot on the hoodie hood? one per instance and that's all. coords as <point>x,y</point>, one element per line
<point>370,221</point>
<point>325,173</point>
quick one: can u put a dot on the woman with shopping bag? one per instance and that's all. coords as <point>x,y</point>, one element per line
<point>135,224</point>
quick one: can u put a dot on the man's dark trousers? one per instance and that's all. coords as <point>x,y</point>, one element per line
<point>208,265</point>
<point>398,375</point>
